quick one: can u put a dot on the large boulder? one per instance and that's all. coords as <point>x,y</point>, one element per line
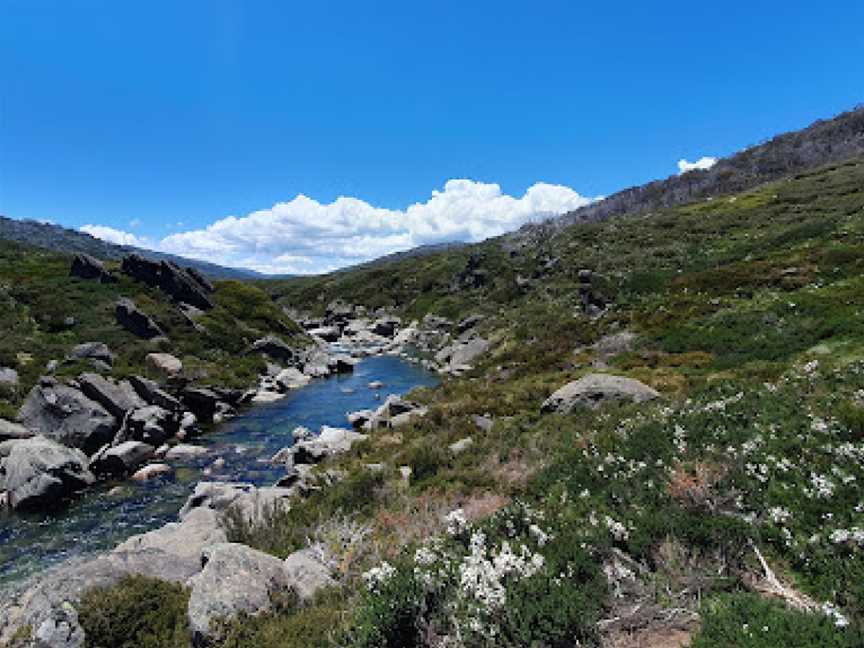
<point>121,459</point>
<point>95,352</point>
<point>291,378</point>
<point>67,416</point>
<point>329,441</point>
<point>185,539</point>
<point>386,326</point>
<point>150,424</point>
<point>118,398</point>
<point>130,317</point>
<point>85,266</point>
<point>169,278</point>
<point>41,473</point>
<point>164,364</point>
<point>595,389</point>
<point>236,579</point>
<point>273,347</point>
<point>462,354</point>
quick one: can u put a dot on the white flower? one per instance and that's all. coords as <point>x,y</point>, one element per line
<point>378,576</point>
<point>456,522</point>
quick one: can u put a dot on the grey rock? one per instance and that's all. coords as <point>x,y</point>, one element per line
<point>150,424</point>
<point>342,363</point>
<point>118,398</point>
<point>291,378</point>
<point>483,422</point>
<point>461,445</point>
<point>41,473</point>
<point>201,280</point>
<point>151,393</point>
<point>594,389</point>
<point>10,430</point>
<point>386,327</point>
<point>184,540</point>
<point>462,354</point>
<point>307,573</point>
<point>236,579</point>
<point>67,416</point>
<point>360,418</point>
<point>469,323</point>
<point>130,317</point>
<point>376,384</point>
<point>185,451</point>
<point>121,459</point>
<point>97,351</point>
<point>329,441</point>
<point>326,333</point>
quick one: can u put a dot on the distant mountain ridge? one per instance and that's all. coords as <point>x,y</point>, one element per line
<point>61,239</point>
<point>823,142</point>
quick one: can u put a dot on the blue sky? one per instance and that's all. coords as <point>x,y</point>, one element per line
<point>158,118</point>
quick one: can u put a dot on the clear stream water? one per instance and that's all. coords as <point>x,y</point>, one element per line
<point>105,516</point>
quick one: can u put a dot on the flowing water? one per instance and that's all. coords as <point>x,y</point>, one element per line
<point>109,514</point>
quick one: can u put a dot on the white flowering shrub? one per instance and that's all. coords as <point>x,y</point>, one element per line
<point>512,580</point>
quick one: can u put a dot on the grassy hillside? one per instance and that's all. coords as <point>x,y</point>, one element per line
<point>44,313</point>
<point>747,311</point>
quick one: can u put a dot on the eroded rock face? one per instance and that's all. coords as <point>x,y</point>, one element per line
<point>41,473</point>
<point>130,317</point>
<point>67,416</point>
<point>235,579</point>
<point>594,389</point>
<point>170,278</point>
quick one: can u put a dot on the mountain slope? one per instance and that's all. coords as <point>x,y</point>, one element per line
<point>60,239</point>
<point>823,142</point>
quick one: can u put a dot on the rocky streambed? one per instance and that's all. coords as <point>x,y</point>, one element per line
<point>239,450</point>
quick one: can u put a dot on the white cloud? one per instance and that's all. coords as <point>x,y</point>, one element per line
<point>702,164</point>
<point>118,237</point>
<point>306,236</point>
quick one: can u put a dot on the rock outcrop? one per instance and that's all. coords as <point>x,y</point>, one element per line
<point>96,353</point>
<point>594,389</point>
<point>170,278</point>
<point>85,266</point>
<point>122,459</point>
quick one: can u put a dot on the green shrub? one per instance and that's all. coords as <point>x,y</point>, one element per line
<point>137,612</point>
<point>749,621</point>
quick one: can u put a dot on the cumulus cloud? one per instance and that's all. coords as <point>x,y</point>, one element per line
<point>116,236</point>
<point>702,164</point>
<point>306,236</point>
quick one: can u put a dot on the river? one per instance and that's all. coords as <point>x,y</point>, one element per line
<point>108,514</point>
